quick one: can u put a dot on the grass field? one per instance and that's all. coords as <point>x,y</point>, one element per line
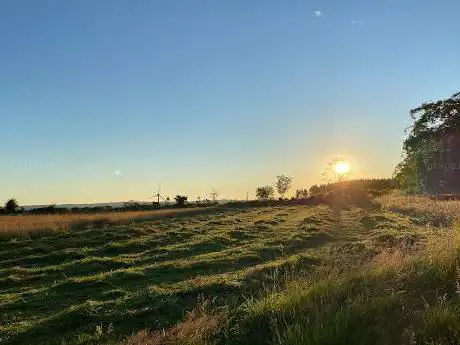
<point>261,275</point>
<point>37,225</point>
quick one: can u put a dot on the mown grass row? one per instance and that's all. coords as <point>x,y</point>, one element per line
<point>400,300</point>
<point>400,296</point>
<point>95,285</point>
<point>265,275</point>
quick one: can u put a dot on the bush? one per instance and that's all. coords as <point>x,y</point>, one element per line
<point>12,206</point>
<point>180,200</point>
<point>301,194</point>
<point>265,192</point>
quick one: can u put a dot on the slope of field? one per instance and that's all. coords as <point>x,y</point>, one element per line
<point>252,265</point>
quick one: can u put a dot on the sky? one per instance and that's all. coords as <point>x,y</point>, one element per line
<point>106,100</point>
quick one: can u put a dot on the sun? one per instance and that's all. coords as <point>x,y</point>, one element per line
<point>342,167</point>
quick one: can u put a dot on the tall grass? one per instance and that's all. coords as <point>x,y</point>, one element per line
<point>397,299</point>
<point>36,225</point>
<point>408,301</point>
<point>424,210</point>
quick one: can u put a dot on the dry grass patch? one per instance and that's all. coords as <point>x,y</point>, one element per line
<point>438,213</point>
<point>25,225</point>
<point>199,328</point>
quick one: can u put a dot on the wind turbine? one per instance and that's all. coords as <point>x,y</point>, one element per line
<point>157,195</point>
<point>214,194</point>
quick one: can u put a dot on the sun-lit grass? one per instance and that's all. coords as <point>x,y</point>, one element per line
<point>147,274</point>
<point>430,211</point>
<point>199,328</point>
<point>421,204</point>
<point>398,296</point>
<point>38,224</point>
<point>373,307</point>
<point>260,275</point>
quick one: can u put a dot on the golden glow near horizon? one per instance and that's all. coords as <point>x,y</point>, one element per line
<point>342,167</point>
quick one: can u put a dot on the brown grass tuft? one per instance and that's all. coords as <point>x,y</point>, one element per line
<point>198,328</point>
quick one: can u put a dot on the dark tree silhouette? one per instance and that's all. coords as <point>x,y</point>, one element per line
<point>265,192</point>
<point>301,194</point>
<point>11,206</point>
<point>315,190</point>
<point>180,200</point>
<point>431,120</point>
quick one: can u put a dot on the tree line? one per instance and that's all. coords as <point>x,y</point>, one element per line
<point>430,121</point>
<point>12,207</point>
<point>281,187</point>
<point>372,186</point>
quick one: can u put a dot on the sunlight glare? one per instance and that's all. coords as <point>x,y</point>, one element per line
<point>342,167</point>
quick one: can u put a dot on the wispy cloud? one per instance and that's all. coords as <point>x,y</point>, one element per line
<point>318,13</point>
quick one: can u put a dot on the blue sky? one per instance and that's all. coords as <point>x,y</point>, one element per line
<point>104,100</point>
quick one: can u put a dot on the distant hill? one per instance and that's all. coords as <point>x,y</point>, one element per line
<point>99,204</point>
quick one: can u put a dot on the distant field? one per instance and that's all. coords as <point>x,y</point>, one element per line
<point>36,224</point>
<point>265,275</point>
